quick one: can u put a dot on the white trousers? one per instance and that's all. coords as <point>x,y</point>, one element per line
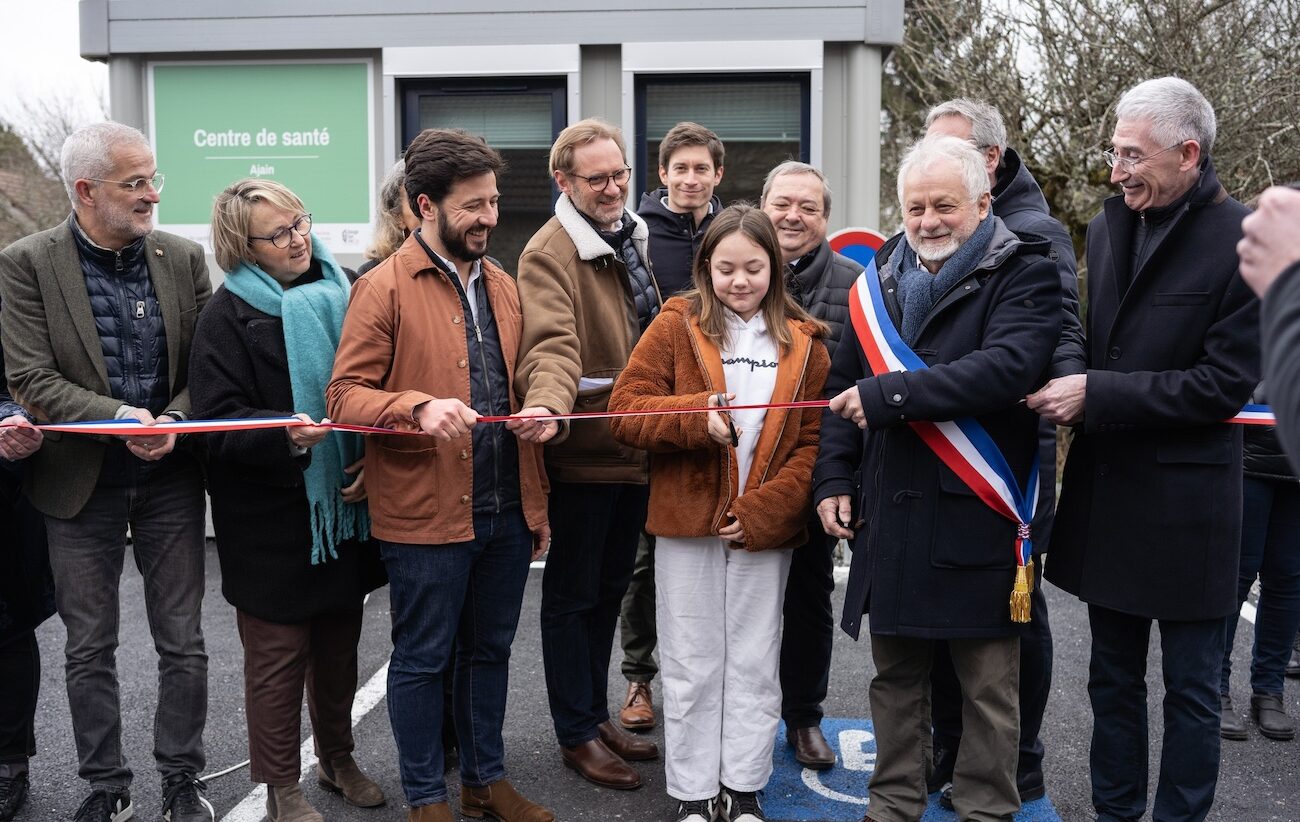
<point>719,619</point>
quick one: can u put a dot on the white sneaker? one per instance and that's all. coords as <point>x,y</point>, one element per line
<point>737,806</point>
<point>698,810</point>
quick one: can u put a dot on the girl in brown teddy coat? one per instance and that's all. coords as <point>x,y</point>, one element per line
<point>729,497</point>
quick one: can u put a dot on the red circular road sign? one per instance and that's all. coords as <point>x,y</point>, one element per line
<point>858,244</point>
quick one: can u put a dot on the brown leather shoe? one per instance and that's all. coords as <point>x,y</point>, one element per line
<point>810,748</point>
<point>503,802</point>
<point>638,712</point>
<point>285,803</point>
<point>343,777</point>
<point>631,748</point>
<point>598,764</point>
<point>440,812</point>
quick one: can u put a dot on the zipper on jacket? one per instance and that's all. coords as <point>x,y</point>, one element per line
<point>130,362</point>
<point>803,371</point>
<point>487,384</point>
<point>726,473</point>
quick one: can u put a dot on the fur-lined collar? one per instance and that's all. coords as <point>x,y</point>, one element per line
<point>585,238</point>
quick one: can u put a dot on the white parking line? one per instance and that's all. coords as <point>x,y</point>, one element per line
<point>253,806</point>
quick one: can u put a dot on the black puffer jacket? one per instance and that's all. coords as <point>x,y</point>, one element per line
<point>640,279</point>
<point>820,281</point>
<point>129,322</point>
<point>674,239</point>
<point>1263,456</point>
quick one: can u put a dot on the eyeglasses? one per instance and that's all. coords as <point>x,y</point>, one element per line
<point>284,236</point>
<point>1127,164</point>
<point>598,182</point>
<point>135,186</point>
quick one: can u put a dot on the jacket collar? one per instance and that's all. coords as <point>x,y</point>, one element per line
<point>585,238</point>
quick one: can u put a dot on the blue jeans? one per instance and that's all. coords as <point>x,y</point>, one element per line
<point>1270,548</point>
<point>1189,758</point>
<point>594,532</point>
<point>470,592</point>
<point>165,516</point>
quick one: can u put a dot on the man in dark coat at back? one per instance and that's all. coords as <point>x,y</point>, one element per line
<point>797,197</point>
<point>980,308</point>
<point>1149,522</point>
<point>1019,202</point>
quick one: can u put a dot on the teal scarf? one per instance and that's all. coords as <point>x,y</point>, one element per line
<point>312,315</point>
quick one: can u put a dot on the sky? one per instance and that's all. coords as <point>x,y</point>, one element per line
<point>40,60</point>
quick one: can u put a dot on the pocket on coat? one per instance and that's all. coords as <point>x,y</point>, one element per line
<point>967,533</point>
<point>400,474</point>
<point>1195,452</point>
<point>1181,298</point>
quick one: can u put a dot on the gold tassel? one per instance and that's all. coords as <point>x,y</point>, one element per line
<point>1020,592</point>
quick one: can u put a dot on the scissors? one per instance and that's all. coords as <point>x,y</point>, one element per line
<point>731,426</point>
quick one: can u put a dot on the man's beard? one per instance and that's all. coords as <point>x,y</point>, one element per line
<point>455,243</point>
<point>935,255</point>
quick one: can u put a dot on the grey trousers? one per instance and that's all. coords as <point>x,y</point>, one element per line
<point>984,780</point>
<point>86,554</point>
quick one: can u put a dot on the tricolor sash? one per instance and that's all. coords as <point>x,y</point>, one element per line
<point>962,444</point>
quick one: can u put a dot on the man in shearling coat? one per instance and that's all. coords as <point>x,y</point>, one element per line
<point>587,294</point>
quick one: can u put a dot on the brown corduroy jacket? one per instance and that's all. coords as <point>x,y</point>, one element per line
<point>693,480</point>
<point>403,344</point>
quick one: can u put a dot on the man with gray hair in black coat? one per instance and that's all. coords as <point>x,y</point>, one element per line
<point>1149,523</point>
<point>797,198</point>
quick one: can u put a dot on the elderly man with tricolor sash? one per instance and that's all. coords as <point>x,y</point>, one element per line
<point>928,465</point>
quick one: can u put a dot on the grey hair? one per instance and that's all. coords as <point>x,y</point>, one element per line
<point>987,128</point>
<point>1175,109</point>
<point>88,152</point>
<point>938,149</point>
<point>796,167</point>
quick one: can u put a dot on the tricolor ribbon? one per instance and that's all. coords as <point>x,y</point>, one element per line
<point>961,444</point>
<point>1255,415</point>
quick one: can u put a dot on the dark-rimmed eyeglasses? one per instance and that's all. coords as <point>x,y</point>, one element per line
<point>598,182</point>
<point>135,186</point>
<point>1127,164</point>
<point>283,237</point>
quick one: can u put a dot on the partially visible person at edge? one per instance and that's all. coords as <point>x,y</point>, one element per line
<point>726,509</point>
<point>981,307</point>
<point>588,292</point>
<point>677,215</point>
<point>1270,550</point>
<point>1270,264</point>
<point>287,504</point>
<point>1148,528</point>
<point>460,511</point>
<point>98,317</point>
<point>394,221</point>
<point>26,600</point>
<point>797,199</point>
<point>1019,203</point>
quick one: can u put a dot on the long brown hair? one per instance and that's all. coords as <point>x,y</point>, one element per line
<point>777,305</point>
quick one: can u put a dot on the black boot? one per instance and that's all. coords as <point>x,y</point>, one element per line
<point>13,789</point>
<point>1231,725</point>
<point>1293,664</point>
<point>1270,715</point>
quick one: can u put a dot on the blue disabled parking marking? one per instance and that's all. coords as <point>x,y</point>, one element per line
<point>799,794</point>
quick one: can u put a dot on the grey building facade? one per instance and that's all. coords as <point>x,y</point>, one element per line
<point>776,79</point>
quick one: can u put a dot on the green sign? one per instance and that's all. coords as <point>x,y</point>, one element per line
<point>306,125</point>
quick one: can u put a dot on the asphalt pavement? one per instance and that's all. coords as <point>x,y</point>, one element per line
<point>1259,778</point>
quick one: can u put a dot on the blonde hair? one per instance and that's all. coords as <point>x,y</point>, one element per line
<point>580,134</point>
<point>232,217</point>
<point>390,233</point>
<point>777,305</point>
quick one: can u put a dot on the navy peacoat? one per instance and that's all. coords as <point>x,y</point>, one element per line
<point>1149,520</point>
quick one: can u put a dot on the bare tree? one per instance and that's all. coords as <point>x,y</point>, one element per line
<point>1056,68</point>
<point>32,196</point>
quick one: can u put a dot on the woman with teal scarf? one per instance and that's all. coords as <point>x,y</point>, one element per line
<point>288,505</point>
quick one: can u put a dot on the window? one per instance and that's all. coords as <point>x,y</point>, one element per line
<point>520,119</point>
<point>762,120</point>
